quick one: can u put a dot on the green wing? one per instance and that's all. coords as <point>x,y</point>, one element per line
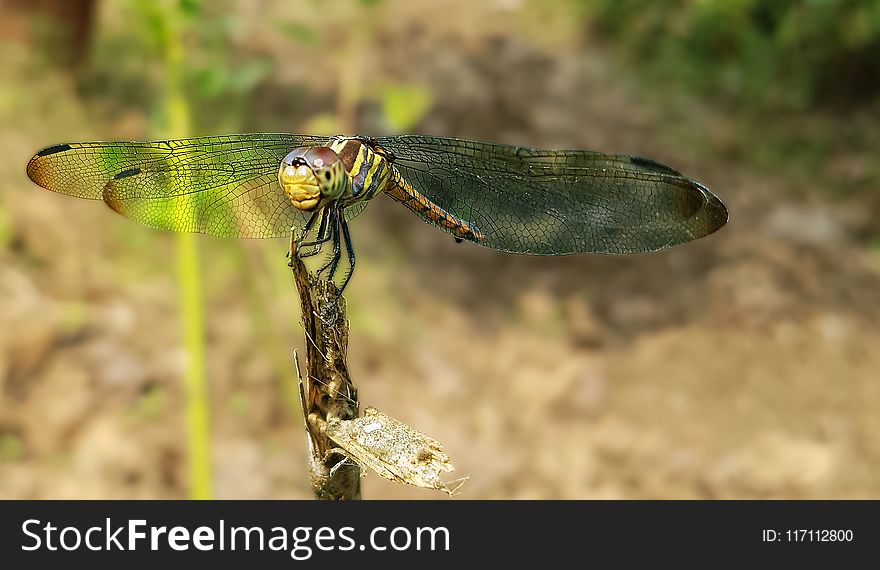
<point>546,202</point>
<point>224,186</point>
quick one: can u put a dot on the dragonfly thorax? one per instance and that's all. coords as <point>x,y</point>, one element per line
<point>312,176</point>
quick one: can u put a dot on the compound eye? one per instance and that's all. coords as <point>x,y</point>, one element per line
<point>319,157</point>
<point>296,156</point>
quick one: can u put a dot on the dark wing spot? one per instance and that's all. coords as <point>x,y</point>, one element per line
<point>127,173</point>
<point>653,165</point>
<point>327,175</point>
<point>54,149</point>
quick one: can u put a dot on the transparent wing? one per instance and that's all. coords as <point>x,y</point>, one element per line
<point>224,186</point>
<point>557,202</point>
<point>352,211</point>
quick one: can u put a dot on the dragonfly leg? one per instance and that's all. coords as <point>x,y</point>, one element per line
<point>334,259</point>
<point>337,254</point>
<point>350,253</point>
<point>322,231</point>
<point>296,241</point>
<point>320,239</point>
<point>310,223</point>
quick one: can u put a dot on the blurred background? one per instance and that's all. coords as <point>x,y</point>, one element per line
<point>744,365</point>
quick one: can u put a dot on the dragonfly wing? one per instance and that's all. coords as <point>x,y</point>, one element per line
<point>224,186</point>
<point>352,211</point>
<point>557,202</point>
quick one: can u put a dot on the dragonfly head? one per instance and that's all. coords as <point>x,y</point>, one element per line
<point>312,175</point>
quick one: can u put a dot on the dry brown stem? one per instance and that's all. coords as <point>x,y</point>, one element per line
<point>327,392</point>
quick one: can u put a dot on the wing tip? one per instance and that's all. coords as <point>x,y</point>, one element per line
<point>712,209</point>
<point>714,212</point>
<point>35,173</point>
<point>36,169</point>
<point>717,214</point>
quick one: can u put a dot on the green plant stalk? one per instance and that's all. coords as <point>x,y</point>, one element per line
<point>200,475</point>
<point>196,390</point>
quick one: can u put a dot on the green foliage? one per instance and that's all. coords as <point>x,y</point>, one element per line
<point>300,33</point>
<point>779,54</point>
<point>214,72</point>
<point>11,448</point>
<point>403,106</point>
<point>151,404</point>
<point>5,226</point>
<point>239,403</point>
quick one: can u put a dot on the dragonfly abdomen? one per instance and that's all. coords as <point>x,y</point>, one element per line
<point>402,191</point>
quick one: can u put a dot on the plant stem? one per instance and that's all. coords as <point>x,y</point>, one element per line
<point>196,390</point>
<point>177,111</point>
<point>329,393</point>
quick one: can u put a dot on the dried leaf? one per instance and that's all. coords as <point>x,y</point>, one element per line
<point>394,450</point>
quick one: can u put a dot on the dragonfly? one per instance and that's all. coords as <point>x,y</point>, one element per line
<point>507,198</point>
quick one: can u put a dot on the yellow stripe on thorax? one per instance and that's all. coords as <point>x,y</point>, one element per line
<point>378,168</point>
<point>339,144</point>
<point>376,174</point>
